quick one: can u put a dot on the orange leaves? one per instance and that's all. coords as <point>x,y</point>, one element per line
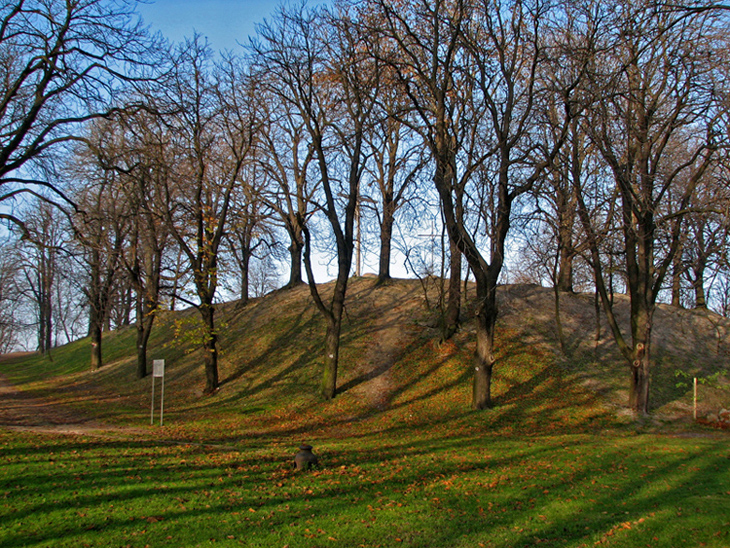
<point>618,529</point>
<point>492,484</point>
<point>308,533</point>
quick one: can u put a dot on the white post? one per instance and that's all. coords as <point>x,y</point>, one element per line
<point>695,399</point>
<point>158,370</point>
<point>162,398</point>
<point>152,405</point>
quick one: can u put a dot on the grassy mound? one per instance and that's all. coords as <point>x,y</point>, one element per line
<point>394,373</point>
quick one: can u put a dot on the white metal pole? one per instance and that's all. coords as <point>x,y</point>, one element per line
<point>162,399</point>
<point>695,399</point>
<point>152,406</point>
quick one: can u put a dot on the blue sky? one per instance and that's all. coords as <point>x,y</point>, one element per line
<point>223,22</point>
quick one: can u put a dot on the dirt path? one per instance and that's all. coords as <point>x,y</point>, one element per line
<point>24,412</point>
<point>390,331</point>
<point>21,411</point>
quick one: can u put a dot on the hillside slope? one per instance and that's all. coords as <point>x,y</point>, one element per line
<point>393,372</point>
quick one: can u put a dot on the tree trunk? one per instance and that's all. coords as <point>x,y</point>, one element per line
<point>45,320</point>
<point>386,237</point>
<point>565,270</point>
<point>245,262</point>
<point>559,321</point>
<point>484,359</point>
<point>331,358</point>
<point>210,348</point>
<point>334,327</point>
<point>141,343</point>
<point>145,320</point>
<point>642,315</point>
<point>95,331</point>
<point>639,387</point>
<point>96,314</point>
<point>296,248</point>
<point>567,203</point>
<point>453,300</point>
<point>698,285</point>
<point>295,271</point>
<point>141,353</point>
<point>640,364</point>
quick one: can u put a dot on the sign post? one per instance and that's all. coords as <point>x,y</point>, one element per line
<point>158,371</point>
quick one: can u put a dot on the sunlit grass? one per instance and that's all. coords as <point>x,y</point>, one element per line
<point>550,465</point>
<point>404,490</point>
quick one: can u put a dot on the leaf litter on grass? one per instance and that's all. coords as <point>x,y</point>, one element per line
<point>404,459</point>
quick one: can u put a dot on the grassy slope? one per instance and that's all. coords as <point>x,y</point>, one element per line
<point>393,371</point>
<point>405,461</point>
<point>270,370</point>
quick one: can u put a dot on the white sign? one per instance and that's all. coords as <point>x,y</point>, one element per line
<point>158,371</point>
<point>158,368</point>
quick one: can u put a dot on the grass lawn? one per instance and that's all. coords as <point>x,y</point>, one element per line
<point>395,489</point>
<point>404,461</point>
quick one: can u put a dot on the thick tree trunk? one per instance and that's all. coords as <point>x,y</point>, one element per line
<point>639,390</point>
<point>296,250</point>
<point>145,322</point>
<point>386,238</point>
<point>642,314</point>
<point>453,298</point>
<point>295,269</point>
<point>334,327</point>
<point>639,385</point>
<point>698,285</point>
<point>210,348</point>
<point>565,270</point>
<point>559,321</point>
<point>566,220</point>
<point>640,364</point>
<point>141,352</point>
<point>95,331</point>
<point>45,322</point>
<point>331,359</point>
<point>245,261</point>
<point>484,359</point>
<point>567,203</point>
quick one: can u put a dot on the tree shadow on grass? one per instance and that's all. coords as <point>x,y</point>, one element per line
<point>416,491</point>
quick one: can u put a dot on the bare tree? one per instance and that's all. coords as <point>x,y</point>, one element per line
<point>212,143</point>
<point>326,77</point>
<point>39,261</point>
<point>61,65</point>
<point>285,155</point>
<point>397,160</point>
<point>471,70</point>
<point>10,298</point>
<point>134,148</point>
<point>249,226</point>
<point>101,229</point>
<point>706,238</point>
<point>654,93</point>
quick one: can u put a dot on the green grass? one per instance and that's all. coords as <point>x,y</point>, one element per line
<point>404,490</point>
<point>550,465</point>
